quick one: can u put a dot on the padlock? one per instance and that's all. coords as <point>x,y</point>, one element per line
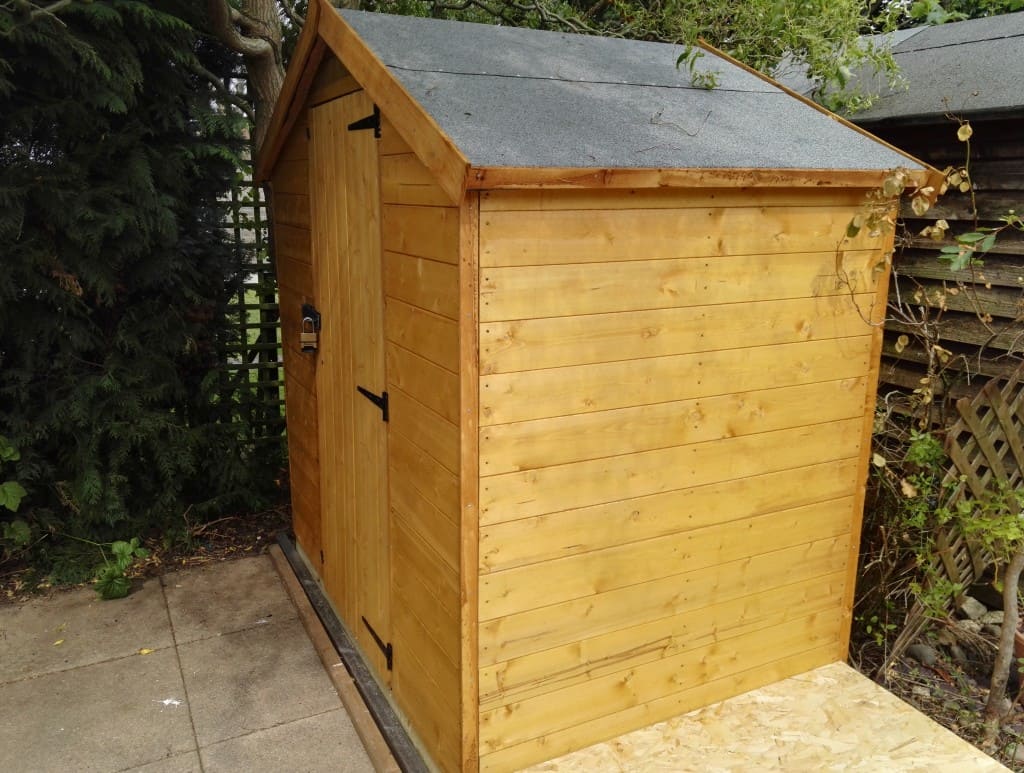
<point>307,336</point>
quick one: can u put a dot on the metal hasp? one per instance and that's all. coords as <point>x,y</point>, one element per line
<point>381,401</point>
<point>309,328</point>
<point>387,649</point>
<point>371,121</point>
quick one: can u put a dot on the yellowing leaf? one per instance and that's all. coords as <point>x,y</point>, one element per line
<point>58,642</point>
<point>878,460</point>
<point>964,186</point>
<point>145,651</point>
<point>901,343</point>
<point>920,205</point>
<point>964,132</point>
<point>909,489</point>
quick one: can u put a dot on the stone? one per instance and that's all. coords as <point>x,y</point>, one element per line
<point>994,631</point>
<point>957,653</point>
<point>972,609</point>
<point>970,626</point>
<point>923,654</point>
<point>995,617</point>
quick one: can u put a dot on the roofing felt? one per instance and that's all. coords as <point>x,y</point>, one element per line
<point>968,68</point>
<point>513,97</point>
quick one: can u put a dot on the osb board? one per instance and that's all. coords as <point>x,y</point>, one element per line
<point>831,718</point>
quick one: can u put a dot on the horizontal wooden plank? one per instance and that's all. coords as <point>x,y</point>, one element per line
<point>968,329</point>
<point>434,724</point>
<point>426,284</point>
<point>426,232</point>
<point>425,474</point>
<point>533,717</point>
<point>404,180</point>
<point>390,142</point>
<point>545,238</point>
<point>429,430</point>
<point>295,275</point>
<point>529,445</point>
<point>429,335</point>
<point>991,205</point>
<point>296,147</point>
<point>431,526</point>
<point>509,397</point>
<point>666,198</point>
<point>998,270</point>
<point>1003,302</point>
<point>291,176</point>
<point>526,292</point>
<point>570,664</point>
<point>559,624</point>
<point>556,743</point>
<point>427,587</point>
<point>430,384</point>
<point>571,532</point>
<point>587,574</point>
<point>293,243</point>
<point>558,341</point>
<point>291,209</point>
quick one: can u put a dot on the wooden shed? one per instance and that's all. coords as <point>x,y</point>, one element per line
<point>583,440</point>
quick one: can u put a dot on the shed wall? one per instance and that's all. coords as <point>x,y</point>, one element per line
<point>421,285</point>
<point>673,401</point>
<point>294,264</point>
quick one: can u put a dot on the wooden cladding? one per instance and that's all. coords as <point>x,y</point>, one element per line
<point>672,412</point>
<point>421,289</point>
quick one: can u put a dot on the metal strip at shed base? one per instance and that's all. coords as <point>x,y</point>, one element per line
<point>402,748</point>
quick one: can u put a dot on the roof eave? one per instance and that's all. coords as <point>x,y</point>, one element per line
<point>309,51</point>
<point>481,178</point>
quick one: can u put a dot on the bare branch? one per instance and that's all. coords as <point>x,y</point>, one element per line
<point>223,90</point>
<point>222,22</point>
<point>293,16</point>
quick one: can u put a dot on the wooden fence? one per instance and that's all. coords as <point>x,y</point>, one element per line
<point>256,358</point>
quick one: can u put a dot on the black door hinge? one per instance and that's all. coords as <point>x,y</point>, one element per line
<point>371,121</point>
<point>381,401</point>
<point>389,653</point>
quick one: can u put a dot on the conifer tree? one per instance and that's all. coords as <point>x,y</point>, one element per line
<point>115,269</point>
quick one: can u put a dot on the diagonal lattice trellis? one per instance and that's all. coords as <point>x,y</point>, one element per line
<point>986,448</point>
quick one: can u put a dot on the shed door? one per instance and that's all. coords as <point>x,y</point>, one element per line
<point>345,208</point>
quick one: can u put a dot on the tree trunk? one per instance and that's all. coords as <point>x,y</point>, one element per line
<point>255,32</point>
<point>1005,656</point>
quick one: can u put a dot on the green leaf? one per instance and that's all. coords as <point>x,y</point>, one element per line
<point>112,586</point>
<point>8,453</point>
<point>11,494</point>
<point>970,238</point>
<point>987,243</point>
<point>17,532</point>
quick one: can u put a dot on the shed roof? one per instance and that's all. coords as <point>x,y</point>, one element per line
<point>528,99</point>
<point>968,68</point>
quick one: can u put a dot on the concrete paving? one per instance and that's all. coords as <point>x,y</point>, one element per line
<point>208,669</point>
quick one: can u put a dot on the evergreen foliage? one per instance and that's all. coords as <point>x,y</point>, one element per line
<point>116,271</point>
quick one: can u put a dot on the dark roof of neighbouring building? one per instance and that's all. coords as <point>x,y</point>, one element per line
<point>966,68</point>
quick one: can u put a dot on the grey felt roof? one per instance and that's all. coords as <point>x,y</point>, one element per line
<point>528,98</point>
<point>968,68</point>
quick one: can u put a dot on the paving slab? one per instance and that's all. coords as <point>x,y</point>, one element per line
<point>225,597</point>
<point>254,679</point>
<point>324,743</point>
<point>178,763</point>
<point>77,628</point>
<point>102,717</point>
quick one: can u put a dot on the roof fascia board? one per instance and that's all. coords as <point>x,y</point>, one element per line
<point>823,110</point>
<point>309,52</point>
<point>434,148</point>
<point>543,177</point>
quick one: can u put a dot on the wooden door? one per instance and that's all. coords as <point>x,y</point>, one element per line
<point>345,209</point>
